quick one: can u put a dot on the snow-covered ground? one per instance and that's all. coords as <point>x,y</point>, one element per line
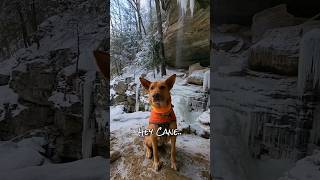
<point>24,161</point>
<point>307,168</point>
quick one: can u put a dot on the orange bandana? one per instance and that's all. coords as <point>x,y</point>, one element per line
<point>158,117</point>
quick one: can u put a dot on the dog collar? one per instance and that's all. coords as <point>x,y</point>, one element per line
<point>158,117</point>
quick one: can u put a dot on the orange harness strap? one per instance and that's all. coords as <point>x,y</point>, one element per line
<point>162,117</point>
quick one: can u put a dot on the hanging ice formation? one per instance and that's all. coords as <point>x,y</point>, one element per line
<point>88,123</point>
<point>183,4</point>
<point>309,60</point>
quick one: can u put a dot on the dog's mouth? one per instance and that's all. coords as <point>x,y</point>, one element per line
<point>158,102</point>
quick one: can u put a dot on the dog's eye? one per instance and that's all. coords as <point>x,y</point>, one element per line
<point>152,87</point>
<point>162,87</point>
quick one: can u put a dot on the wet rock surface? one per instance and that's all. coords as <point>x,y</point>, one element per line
<point>186,39</point>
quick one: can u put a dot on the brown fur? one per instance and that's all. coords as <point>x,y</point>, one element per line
<point>151,142</point>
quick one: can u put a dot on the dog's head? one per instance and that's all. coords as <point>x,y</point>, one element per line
<point>159,91</point>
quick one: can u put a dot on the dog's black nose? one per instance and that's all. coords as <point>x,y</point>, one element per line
<point>156,96</point>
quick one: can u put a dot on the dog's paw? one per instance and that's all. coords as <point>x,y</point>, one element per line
<point>174,166</point>
<point>157,165</point>
<point>148,154</point>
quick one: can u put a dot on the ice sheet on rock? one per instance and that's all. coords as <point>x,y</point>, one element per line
<point>309,60</point>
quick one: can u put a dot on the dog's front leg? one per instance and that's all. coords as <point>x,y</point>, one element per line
<point>173,152</point>
<point>156,162</point>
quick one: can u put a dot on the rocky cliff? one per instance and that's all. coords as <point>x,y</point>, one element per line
<point>186,38</point>
<point>56,88</point>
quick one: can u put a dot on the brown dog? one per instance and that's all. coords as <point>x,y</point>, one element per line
<point>162,116</point>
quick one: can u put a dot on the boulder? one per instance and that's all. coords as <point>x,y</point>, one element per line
<point>4,79</point>
<point>227,43</point>
<point>114,155</point>
<point>196,77</point>
<point>36,84</point>
<point>277,51</point>
<point>195,67</point>
<point>121,87</point>
<point>229,28</point>
<point>118,99</point>
<point>186,40</point>
<point>271,18</point>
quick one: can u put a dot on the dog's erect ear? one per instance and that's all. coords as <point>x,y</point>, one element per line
<point>170,81</point>
<point>145,83</point>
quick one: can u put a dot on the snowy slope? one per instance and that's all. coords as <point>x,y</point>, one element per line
<point>23,161</point>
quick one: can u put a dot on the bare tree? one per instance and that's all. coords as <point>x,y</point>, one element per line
<point>78,49</point>
<point>161,49</point>
<point>135,4</point>
<point>23,25</point>
<point>35,24</point>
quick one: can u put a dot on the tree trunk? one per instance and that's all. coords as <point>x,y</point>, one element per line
<point>78,49</point>
<point>23,26</point>
<point>159,25</point>
<point>35,24</point>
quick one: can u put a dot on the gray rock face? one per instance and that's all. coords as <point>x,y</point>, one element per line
<point>33,117</point>
<point>35,85</point>
<point>262,114</point>
<point>4,79</point>
<point>277,51</point>
<point>271,18</point>
<point>186,41</point>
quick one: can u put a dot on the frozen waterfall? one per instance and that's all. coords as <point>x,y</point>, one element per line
<point>183,4</point>
<point>309,60</point>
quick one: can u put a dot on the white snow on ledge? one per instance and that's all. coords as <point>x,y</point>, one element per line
<point>22,161</point>
<point>61,100</point>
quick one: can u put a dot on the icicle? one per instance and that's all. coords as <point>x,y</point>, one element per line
<point>191,7</point>
<point>309,60</point>
<point>88,126</point>
<point>183,4</point>
<point>206,81</point>
<point>137,96</point>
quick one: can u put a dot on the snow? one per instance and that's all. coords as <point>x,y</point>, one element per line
<point>204,118</point>
<point>120,120</point>
<point>60,99</point>
<point>309,60</point>
<point>16,156</point>
<point>306,168</point>
<point>91,168</point>
<point>194,144</point>
<point>23,161</point>
<point>8,96</point>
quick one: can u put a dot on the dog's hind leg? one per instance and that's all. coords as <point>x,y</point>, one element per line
<point>173,152</point>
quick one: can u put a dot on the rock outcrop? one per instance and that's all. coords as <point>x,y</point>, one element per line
<point>186,40</point>
<point>271,18</point>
